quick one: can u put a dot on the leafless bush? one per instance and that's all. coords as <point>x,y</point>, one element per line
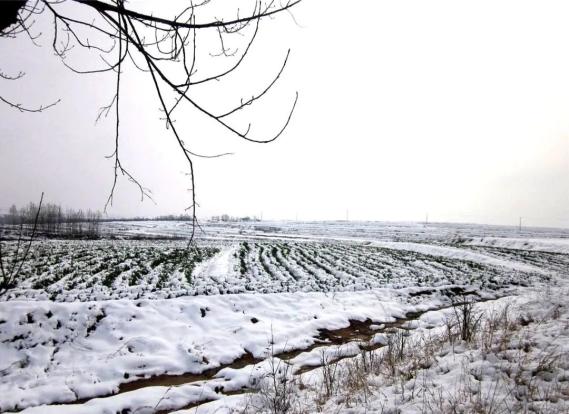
<point>395,350</point>
<point>356,380</point>
<point>277,391</point>
<point>490,327</point>
<point>464,322</point>
<point>329,374</point>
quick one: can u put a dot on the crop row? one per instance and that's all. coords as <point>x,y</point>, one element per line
<point>80,270</point>
<point>97,270</point>
<point>343,266</point>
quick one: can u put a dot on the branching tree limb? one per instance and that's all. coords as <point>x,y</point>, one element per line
<point>22,108</point>
<point>164,47</point>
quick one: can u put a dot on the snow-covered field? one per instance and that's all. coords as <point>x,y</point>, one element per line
<point>95,318</point>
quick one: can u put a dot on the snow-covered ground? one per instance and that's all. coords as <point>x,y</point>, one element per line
<point>516,361</point>
<point>151,269</point>
<point>373,230</point>
<point>92,316</point>
<point>64,351</point>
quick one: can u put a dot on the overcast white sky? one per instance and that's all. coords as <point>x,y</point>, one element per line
<point>459,109</point>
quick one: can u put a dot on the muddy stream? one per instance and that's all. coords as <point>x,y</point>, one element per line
<point>361,332</point>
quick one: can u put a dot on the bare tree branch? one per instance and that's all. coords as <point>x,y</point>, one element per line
<point>22,108</point>
<point>166,48</point>
<point>131,14</point>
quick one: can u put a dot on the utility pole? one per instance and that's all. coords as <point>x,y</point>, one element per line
<point>520,225</point>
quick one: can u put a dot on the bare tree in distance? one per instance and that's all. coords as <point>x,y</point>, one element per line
<point>167,48</point>
<point>10,267</point>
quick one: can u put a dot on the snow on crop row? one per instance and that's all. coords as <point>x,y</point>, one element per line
<point>90,315</point>
<point>102,270</point>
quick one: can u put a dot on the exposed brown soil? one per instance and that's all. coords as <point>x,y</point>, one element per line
<point>167,380</point>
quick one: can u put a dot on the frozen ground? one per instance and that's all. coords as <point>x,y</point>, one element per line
<point>281,257</point>
<point>517,361</point>
<point>92,316</point>
<point>387,231</point>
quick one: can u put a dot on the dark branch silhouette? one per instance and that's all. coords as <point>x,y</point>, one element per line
<point>22,108</point>
<point>165,48</point>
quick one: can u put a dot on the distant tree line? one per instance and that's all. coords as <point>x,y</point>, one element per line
<point>185,217</point>
<point>228,218</point>
<point>174,217</point>
<point>54,220</point>
<point>57,221</point>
